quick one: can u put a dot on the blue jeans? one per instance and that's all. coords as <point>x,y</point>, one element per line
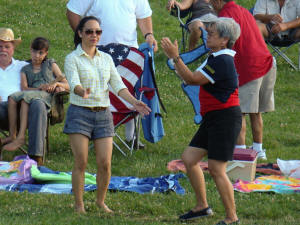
<point>37,125</point>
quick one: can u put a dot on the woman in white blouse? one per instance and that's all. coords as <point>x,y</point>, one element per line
<point>89,71</point>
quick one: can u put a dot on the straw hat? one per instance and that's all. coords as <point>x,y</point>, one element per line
<point>6,34</point>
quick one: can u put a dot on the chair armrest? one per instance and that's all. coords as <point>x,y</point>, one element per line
<point>57,113</point>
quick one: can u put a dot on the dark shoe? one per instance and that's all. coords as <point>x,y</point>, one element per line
<point>38,159</point>
<point>0,149</point>
<point>194,215</point>
<point>135,146</point>
<point>233,223</point>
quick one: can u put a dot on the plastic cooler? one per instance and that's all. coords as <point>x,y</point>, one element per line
<point>243,165</point>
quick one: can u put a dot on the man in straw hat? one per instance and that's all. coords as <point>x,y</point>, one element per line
<point>10,82</point>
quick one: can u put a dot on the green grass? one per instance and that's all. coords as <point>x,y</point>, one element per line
<point>33,18</point>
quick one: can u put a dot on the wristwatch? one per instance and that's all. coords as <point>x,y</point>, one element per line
<point>176,59</point>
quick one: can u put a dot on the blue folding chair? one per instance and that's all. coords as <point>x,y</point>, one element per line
<point>181,15</point>
<point>192,91</point>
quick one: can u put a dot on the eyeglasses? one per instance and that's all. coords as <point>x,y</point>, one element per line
<point>90,32</point>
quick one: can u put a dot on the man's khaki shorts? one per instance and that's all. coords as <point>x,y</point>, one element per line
<point>258,95</point>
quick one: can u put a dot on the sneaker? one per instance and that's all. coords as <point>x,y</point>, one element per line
<point>141,145</point>
<point>262,155</point>
<point>194,215</point>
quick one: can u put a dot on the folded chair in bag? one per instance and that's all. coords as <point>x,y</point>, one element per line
<point>147,91</point>
<point>129,62</point>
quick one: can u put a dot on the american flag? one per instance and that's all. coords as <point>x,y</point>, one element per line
<point>129,62</point>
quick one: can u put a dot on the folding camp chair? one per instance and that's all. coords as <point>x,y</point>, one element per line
<point>192,91</point>
<point>129,62</point>
<point>280,47</point>
<point>193,55</point>
<point>56,115</point>
<point>182,14</point>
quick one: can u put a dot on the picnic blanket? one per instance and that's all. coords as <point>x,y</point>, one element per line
<point>262,168</point>
<point>16,171</point>
<point>273,183</point>
<point>45,180</point>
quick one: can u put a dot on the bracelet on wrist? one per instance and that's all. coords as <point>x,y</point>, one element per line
<point>145,36</point>
<point>176,59</point>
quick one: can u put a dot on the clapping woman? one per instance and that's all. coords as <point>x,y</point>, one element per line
<point>222,118</point>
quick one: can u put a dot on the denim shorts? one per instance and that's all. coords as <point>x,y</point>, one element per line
<point>94,125</point>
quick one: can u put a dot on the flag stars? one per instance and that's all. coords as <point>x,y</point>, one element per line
<point>125,50</point>
<point>120,58</point>
<point>111,50</point>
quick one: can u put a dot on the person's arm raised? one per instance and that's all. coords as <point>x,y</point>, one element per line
<point>171,51</point>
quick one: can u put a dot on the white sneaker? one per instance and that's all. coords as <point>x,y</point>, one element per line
<point>262,155</point>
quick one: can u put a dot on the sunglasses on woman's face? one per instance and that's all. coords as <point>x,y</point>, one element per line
<point>90,32</point>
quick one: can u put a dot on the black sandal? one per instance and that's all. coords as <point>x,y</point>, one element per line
<point>233,223</point>
<point>194,215</point>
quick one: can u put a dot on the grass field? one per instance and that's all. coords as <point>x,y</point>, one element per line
<point>32,18</point>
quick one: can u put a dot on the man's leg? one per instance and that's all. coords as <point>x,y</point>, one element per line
<point>3,121</point>
<point>256,126</point>
<point>37,125</point>
<point>263,29</point>
<point>195,33</point>
<point>129,133</point>
<point>4,115</point>
<point>241,140</point>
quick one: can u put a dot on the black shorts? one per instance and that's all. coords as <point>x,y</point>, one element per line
<point>218,133</point>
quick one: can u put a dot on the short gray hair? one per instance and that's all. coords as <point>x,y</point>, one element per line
<point>227,28</point>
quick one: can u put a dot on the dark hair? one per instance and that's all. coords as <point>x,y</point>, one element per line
<point>40,43</point>
<point>77,39</point>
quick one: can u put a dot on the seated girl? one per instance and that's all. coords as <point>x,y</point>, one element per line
<point>39,80</point>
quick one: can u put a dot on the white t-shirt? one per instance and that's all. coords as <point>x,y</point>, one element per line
<point>289,11</point>
<point>10,79</point>
<point>118,17</point>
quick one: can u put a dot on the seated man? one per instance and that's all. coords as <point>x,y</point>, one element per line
<point>10,81</point>
<point>202,14</point>
<point>278,19</point>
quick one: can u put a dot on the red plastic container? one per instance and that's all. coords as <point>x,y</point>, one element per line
<point>244,154</point>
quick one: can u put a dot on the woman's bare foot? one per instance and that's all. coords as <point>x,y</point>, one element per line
<point>17,143</point>
<point>80,210</point>
<point>59,89</point>
<point>105,208</point>
<point>7,140</point>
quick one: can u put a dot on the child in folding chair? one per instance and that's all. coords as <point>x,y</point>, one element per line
<point>202,13</point>
<point>89,72</point>
<point>221,113</point>
<point>39,80</point>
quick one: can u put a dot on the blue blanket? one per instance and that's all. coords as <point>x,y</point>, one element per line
<point>160,184</point>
